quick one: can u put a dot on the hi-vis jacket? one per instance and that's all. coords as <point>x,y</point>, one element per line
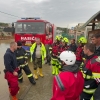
<point>33,51</point>
<point>91,74</point>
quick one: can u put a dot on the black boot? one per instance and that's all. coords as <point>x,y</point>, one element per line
<point>20,80</point>
<point>31,79</point>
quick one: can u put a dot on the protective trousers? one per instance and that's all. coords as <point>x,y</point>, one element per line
<point>12,82</point>
<point>55,66</point>
<point>27,72</point>
<point>37,65</point>
<point>96,95</point>
<point>85,96</point>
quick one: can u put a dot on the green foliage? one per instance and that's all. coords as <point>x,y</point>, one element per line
<point>3,24</point>
<point>64,30</point>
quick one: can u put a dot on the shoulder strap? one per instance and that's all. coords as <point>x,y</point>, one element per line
<point>59,82</point>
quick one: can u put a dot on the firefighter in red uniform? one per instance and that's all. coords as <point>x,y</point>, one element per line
<point>54,55</point>
<point>69,84</point>
<point>11,70</point>
<point>79,52</point>
<point>91,72</point>
<point>63,47</point>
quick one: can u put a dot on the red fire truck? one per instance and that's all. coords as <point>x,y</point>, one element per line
<point>27,29</point>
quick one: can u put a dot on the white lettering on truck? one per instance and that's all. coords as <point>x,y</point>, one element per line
<point>27,38</point>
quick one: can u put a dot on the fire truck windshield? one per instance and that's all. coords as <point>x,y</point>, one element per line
<point>30,27</point>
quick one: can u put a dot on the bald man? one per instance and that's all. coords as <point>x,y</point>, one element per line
<point>11,70</point>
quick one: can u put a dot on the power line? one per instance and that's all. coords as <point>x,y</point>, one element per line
<point>9,14</point>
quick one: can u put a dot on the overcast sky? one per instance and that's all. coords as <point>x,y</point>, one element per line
<point>65,13</point>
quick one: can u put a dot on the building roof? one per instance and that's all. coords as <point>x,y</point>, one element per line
<point>95,16</point>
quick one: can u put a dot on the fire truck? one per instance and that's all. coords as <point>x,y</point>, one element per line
<point>28,29</point>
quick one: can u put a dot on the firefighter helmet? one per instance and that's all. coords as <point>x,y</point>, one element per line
<point>65,40</point>
<point>68,57</point>
<point>58,38</point>
<point>82,40</point>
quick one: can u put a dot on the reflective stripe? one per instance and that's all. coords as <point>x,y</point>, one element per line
<point>21,57</point>
<point>90,91</point>
<point>20,77</point>
<point>50,48</point>
<point>26,57</point>
<point>23,65</point>
<point>87,76</point>
<point>30,75</point>
<point>53,58</point>
<point>96,75</point>
<point>25,54</point>
<point>92,98</point>
<point>59,82</point>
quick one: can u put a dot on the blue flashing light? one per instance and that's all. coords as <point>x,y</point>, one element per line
<point>31,18</point>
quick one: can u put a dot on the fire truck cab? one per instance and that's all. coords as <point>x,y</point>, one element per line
<point>28,29</point>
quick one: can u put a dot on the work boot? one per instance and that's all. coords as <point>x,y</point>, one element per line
<point>31,79</point>
<point>20,80</point>
<point>35,74</point>
<point>40,72</point>
<point>53,70</point>
<point>14,98</point>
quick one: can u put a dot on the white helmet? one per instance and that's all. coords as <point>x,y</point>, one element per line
<point>68,57</point>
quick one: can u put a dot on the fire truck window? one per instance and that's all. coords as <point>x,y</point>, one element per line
<point>30,27</point>
<point>47,29</point>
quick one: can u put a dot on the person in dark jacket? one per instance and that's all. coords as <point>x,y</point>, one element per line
<point>21,57</point>
<point>48,43</point>
<point>73,46</point>
<point>11,70</point>
<point>96,40</point>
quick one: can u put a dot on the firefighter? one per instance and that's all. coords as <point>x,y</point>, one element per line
<point>54,49</point>
<point>91,72</point>
<point>96,40</point>
<point>63,47</point>
<point>38,53</point>
<point>22,58</point>
<point>79,52</point>
<point>68,85</point>
<point>11,70</point>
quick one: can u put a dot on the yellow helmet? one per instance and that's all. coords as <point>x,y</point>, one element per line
<point>57,38</point>
<point>82,40</point>
<point>60,36</point>
<point>65,40</point>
